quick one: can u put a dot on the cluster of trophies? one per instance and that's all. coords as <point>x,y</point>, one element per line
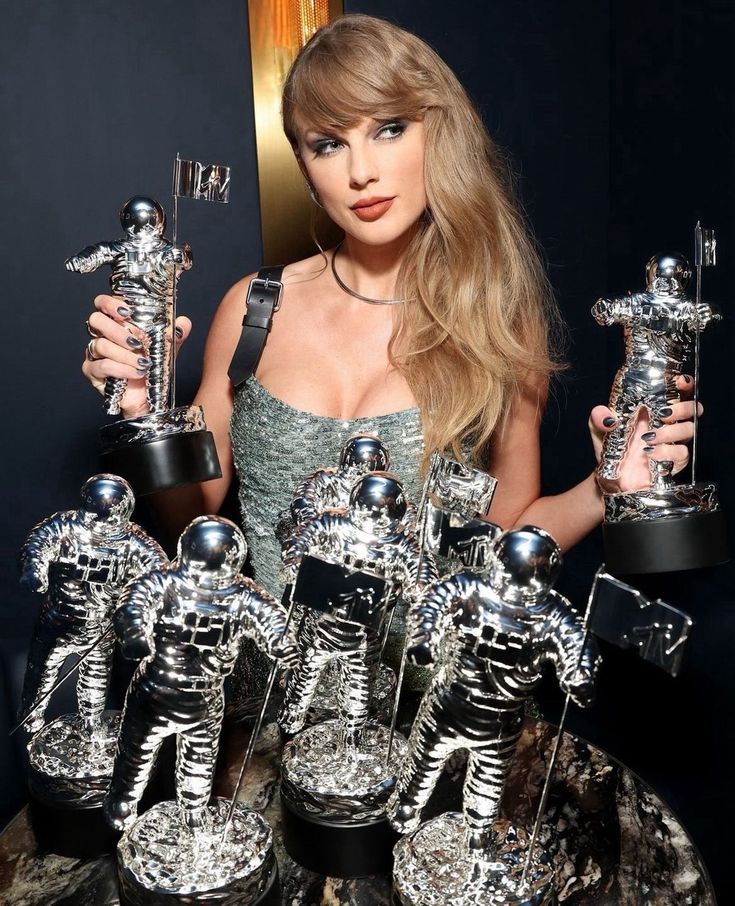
<point>480,612</point>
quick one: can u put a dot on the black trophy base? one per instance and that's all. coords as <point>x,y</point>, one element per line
<point>132,893</point>
<point>76,832</point>
<point>336,849</point>
<point>640,546</point>
<point>166,462</point>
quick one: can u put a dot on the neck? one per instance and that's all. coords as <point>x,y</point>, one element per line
<point>372,270</point>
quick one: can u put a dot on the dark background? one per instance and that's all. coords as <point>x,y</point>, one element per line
<point>619,120</point>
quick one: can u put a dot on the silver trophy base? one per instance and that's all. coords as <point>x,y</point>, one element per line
<point>656,531</point>
<point>434,867</point>
<point>333,800</point>
<point>161,450</point>
<point>161,862</point>
<point>69,774</point>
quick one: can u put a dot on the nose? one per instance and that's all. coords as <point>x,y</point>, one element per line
<point>363,165</point>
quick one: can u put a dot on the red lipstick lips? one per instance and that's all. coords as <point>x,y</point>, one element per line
<point>372,208</point>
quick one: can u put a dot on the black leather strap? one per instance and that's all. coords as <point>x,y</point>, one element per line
<point>264,299</point>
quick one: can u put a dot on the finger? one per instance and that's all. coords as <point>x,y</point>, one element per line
<point>680,412</point>
<point>685,385</point>
<point>182,330</point>
<point>676,453</point>
<point>126,335</point>
<point>101,369</point>
<point>603,419</point>
<point>681,432</point>
<point>114,307</point>
<point>102,348</point>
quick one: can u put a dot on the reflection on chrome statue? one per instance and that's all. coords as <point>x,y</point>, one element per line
<point>186,623</point>
<point>367,539</point>
<point>456,499</point>
<point>659,325</point>
<point>330,488</point>
<point>489,634</point>
<point>81,559</point>
<point>145,266</point>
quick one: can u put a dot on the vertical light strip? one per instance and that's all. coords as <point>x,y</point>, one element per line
<point>278,30</point>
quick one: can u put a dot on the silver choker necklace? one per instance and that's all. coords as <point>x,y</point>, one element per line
<point>342,285</point>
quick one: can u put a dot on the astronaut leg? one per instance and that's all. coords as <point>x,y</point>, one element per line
<point>45,660</point>
<point>196,755</point>
<point>146,723</point>
<point>356,678</point>
<point>429,748</point>
<point>313,657</point>
<point>487,770</point>
<point>158,373</point>
<point>94,679</point>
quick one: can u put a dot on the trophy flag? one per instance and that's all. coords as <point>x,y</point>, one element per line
<point>623,616</point>
<point>203,182</point>
<point>705,255</point>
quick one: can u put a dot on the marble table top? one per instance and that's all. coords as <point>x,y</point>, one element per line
<point>614,841</point>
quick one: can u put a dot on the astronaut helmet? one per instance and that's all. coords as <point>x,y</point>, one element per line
<point>524,565</point>
<point>364,453</point>
<point>668,274</point>
<point>211,551</point>
<point>377,503</point>
<point>141,216</point>
<point>107,504</point>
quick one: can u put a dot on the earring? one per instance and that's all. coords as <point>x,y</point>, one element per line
<point>314,194</point>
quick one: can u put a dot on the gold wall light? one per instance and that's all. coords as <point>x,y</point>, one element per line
<point>278,30</point>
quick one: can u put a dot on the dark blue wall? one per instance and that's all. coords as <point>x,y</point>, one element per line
<point>619,120</point>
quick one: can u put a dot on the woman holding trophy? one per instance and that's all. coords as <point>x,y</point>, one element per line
<point>430,324</point>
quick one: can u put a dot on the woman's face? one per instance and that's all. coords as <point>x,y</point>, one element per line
<point>370,177</point>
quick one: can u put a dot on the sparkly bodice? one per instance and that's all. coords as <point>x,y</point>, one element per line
<point>275,446</point>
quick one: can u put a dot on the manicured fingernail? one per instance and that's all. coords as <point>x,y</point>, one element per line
<point>687,378</point>
<point>144,362</point>
<point>609,421</point>
<point>179,332</point>
<point>648,449</point>
<point>649,435</point>
<point>123,311</point>
<point>666,412</point>
<point>134,342</point>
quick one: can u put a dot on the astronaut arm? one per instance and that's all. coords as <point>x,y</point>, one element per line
<point>616,311</point>
<point>297,546</point>
<point>573,652</point>
<point>136,613</point>
<point>92,257</point>
<point>40,549</point>
<point>429,619</point>
<point>304,503</point>
<point>179,256</point>
<point>264,621</point>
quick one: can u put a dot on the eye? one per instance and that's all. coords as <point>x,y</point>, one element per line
<point>392,130</point>
<point>325,146</point>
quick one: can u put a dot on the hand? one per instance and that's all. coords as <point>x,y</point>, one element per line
<point>34,581</point>
<point>74,264</point>
<point>419,654</point>
<point>665,443</point>
<point>135,646</point>
<point>119,350</point>
<point>286,652</point>
<point>581,687</point>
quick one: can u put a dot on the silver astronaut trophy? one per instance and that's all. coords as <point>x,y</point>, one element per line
<point>455,499</point>
<point>665,526</point>
<point>489,634</point>
<point>187,623</point>
<point>170,445</point>
<point>349,568</point>
<point>330,488</point>
<point>80,560</point>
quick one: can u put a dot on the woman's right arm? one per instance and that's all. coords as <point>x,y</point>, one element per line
<point>117,355</point>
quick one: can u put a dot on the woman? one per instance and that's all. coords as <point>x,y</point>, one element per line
<point>456,346</point>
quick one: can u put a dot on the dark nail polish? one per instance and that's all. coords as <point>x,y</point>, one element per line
<point>649,435</point>
<point>179,332</point>
<point>686,378</point>
<point>141,371</point>
<point>609,421</point>
<point>666,412</point>
<point>144,362</point>
<point>123,311</point>
<point>648,449</point>
<point>134,342</point>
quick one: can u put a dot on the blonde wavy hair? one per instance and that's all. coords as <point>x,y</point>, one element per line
<point>477,329</point>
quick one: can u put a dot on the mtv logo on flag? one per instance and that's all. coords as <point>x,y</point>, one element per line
<point>359,597</point>
<point>204,182</point>
<point>620,614</point>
